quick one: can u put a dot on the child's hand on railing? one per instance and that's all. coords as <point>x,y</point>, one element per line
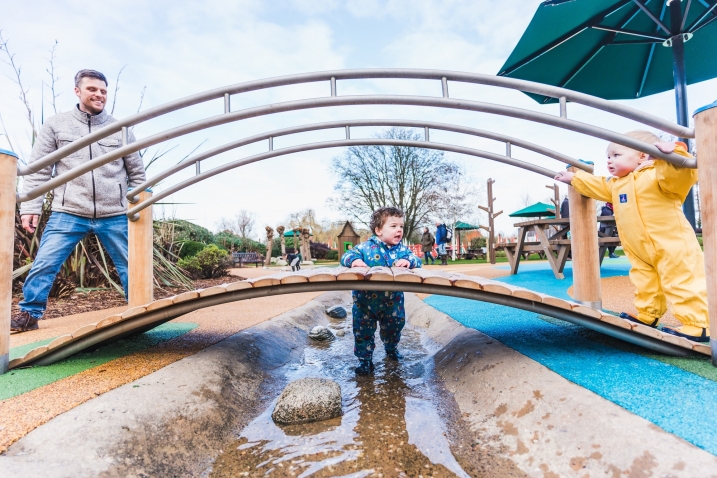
<point>666,146</point>
<point>402,263</point>
<point>565,177</point>
<point>358,263</point>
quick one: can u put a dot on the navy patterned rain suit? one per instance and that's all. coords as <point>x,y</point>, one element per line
<point>372,307</point>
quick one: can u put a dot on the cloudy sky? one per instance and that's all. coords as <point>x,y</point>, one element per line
<point>175,49</point>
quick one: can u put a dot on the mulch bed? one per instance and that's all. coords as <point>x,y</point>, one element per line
<point>80,302</point>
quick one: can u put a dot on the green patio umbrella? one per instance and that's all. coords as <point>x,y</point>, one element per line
<point>539,209</point>
<point>619,49</point>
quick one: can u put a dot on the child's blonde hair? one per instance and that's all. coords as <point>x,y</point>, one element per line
<point>641,135</point>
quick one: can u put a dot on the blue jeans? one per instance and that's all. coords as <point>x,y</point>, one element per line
<point>442,249</point>
<point>428,256</point>
<point>62,233</point>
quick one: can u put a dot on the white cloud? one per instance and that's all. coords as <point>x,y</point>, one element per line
<point>181,49</point>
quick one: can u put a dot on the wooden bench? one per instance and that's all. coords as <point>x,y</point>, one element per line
<point>242,258</point>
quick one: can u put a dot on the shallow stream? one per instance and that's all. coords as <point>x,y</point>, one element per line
<point>391,425</point>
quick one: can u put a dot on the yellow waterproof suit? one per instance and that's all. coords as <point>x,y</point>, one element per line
<point>667,261</point>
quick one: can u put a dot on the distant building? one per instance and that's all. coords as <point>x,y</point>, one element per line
<point>347,238</point>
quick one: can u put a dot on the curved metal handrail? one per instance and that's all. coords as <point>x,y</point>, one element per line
<point>132,214</point>
<point>426,125</point>
<point>370,73</point>
<point>468,105</point>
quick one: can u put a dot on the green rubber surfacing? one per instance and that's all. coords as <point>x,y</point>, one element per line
<point>23,380</point>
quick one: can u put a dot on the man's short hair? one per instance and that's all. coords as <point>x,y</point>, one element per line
<point>381,215</point>
<point>89,74</point>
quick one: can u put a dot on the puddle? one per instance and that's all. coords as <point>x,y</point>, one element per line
<point>390,426</point>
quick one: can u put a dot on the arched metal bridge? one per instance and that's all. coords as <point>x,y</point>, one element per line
<point>146,316</point>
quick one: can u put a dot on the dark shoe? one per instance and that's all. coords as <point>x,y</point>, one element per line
<point>613,255</point>
<point>702,338</point>
<point>23,322</point>
<point>394,355</point>
<point>632,318</point>
<point>365,367</point>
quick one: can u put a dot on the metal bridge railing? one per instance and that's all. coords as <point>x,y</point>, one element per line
<point>334,100</point>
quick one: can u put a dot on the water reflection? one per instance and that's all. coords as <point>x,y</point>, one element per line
<point>389,428</point>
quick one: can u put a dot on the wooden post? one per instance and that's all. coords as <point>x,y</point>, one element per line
<point>706,139</point>
<point>141,256</point>
<point>587,288</point>
<point>8,181</point>
<point>556,199</point>
<point>269,245</point>
<point>491,223</point>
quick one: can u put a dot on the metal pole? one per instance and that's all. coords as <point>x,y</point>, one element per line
<point>8,179</point>
<point>680,78</point>
<point>706,138</point>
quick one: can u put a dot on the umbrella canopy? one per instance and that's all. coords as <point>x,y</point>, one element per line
<point>620,49</point>
<point>539,209</point>
<point>464,226</point>
<point>617,49</point>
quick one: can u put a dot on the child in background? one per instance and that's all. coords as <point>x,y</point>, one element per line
<point>667,261</point>
<point>383,308</point>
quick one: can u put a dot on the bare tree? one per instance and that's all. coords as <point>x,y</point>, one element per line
<point>413,179</point>
<point>53,77</point>
<point>526,199</point>
<point>18,80</point>
<point>242,224</point>
<point>114,97</point>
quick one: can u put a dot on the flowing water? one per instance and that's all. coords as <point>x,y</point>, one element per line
<point>390,426</point>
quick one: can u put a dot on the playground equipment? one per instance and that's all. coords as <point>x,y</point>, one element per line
<point>155,313</point>
<point>586,271</point>
<point>491,217</point>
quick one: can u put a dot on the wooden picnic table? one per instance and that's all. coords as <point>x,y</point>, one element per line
<point>555,247</point>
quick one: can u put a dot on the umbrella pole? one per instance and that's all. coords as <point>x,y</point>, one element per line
<point>680,78</point>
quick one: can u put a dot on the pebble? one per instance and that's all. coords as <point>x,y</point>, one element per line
<point>308,400</point>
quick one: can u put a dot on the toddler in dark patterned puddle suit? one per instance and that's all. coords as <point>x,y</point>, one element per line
<point>372,308</point>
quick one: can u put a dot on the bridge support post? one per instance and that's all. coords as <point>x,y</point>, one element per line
<point>706,138</point>
<point>587,288</point>
<point>8,181</point>
<point>141,251</point>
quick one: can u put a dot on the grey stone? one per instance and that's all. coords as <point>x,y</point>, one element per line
<point>308,400</point>
<point>321,333</point>
<point>340,333</point>
<point>336,312</point>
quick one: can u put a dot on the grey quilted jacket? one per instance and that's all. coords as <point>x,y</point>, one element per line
<point>98,193</point>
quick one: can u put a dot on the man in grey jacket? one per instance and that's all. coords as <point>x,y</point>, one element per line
<point>93,203</point>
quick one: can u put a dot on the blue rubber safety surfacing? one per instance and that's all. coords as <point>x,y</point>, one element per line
<point>677,401</point>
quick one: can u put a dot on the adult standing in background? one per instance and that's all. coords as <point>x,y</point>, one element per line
<point>442,240</point>
<point>609,230</point>
<point>427,242</point>
<point>92,203</point>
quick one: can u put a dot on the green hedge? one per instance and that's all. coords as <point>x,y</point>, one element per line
<point>190,249</point>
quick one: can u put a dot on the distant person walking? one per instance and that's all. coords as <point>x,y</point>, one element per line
<point>442,239</point>
<point>427,242</point>
<point>609,230</point>
<point>93,203</point>
<point>565,209</point>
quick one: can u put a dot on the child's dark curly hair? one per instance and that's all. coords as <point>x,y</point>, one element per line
<point>380,215</point>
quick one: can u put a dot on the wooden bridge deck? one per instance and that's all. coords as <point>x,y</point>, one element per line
<point>145,317</point>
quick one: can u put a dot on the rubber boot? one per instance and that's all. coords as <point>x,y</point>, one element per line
<point>365,367</point>
<point>444,259</point>
<point>394,355</point>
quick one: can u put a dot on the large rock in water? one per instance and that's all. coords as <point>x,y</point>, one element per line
<point>308,400</point>
<point>321,333</point>
<point>336,312</point>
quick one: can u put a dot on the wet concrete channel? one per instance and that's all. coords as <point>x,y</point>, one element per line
<point>397,422</point>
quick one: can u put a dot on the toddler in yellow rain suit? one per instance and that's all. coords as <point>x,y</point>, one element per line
<point>667,261</point>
